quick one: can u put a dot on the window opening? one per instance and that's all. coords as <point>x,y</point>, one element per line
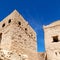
<point>3,25</point>
<point>19,23</point>
<point>55,39</point>
<point>25,29</point>
<point>9,21</point>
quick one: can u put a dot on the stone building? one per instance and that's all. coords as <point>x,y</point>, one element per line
<point>18,40</point>
<point>52,40</point>
<point>17,36</point>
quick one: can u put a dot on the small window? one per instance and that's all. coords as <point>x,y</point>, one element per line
<point>3,25</point>
<point>19,23</point>
<point>55,39</point>
<point>9,21</point>
<point>25,29</point>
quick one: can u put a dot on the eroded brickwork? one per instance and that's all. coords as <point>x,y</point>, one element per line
<point>52,40</point>
<point>16,35</point>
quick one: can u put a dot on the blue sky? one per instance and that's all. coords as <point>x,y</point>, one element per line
<point>36,12</point>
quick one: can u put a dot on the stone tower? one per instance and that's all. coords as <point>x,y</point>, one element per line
<point>16,35</point>
<point>52,40</point>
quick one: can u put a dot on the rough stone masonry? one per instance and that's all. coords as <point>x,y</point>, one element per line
<point>17,36</point>
<point>52,40</point>
<point>18,41</point>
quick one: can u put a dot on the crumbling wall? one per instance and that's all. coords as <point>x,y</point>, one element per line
<point>18,36</point>
<point>52,40</point>
<point>9,55</point>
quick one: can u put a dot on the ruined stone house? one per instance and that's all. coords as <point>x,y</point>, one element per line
<point>52,40</point>
<point>18,40</point>
<point>16,35</point>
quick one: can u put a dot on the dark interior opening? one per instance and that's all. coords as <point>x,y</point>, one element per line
<point>55,39</point>
<point>25,29</point>
<point>19,22</point>
<point>9,21</point>
<point>46,57</point>
<point>3,25</point>
<point>0,37</point>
